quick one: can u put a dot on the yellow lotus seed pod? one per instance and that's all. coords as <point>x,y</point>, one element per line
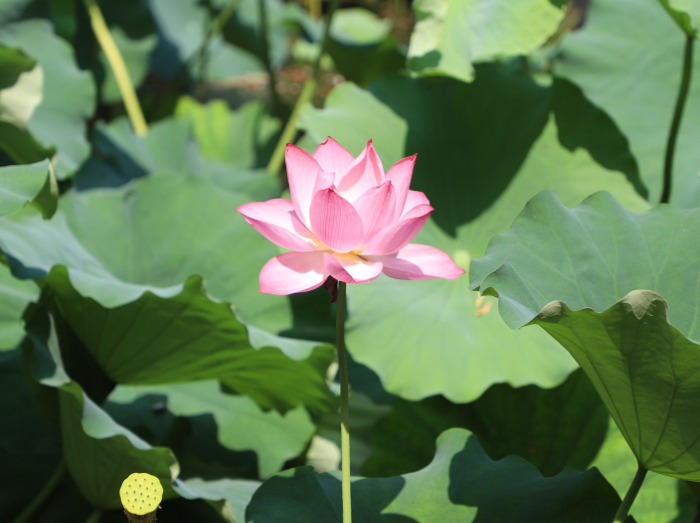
<point>141,494</point>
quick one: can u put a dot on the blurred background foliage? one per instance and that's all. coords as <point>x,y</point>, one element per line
<point>133,336</point>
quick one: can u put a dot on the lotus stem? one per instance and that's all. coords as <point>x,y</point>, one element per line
<point>199,56</point>
<point>677,117</point>
<point>307,92</point>
<point>315,8</point>
<point>45,492</point>
<point>116,62</point>
<point>626,504</point>
<point>272,83</point>
<point>94,517</point>
<point>344,409</point>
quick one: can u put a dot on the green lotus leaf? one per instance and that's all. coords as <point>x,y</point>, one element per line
<point>30,447</point>
<point>88,434</point>
<point>116,261</point>
<point>603,58</point>
<point>91,437</point>
<point>15,63</point>
<point>21,92</point>
<point>21,85</point>
<point>58,121</point>
<point>574,272</point>
<point>123,156</point>
<point>591,256</point>
<point>243,29</point>
<point>462,484</point>
<point>100,453</point>
<point>452,35</point>
<point>660,500</point>
<point>229,496</point>
<point>357,26</point>
<point>241,424</point>
<point>686,14</point>
<point>645,371</point>
<point>11,10</point>
<point>181,145</point>
<point>16,295</point>
<point>483,149</point>
<point>551,428</point>
<point>34,183</point>
<point>243,137</point>
<point>362,47</point>
<point>183,27</point>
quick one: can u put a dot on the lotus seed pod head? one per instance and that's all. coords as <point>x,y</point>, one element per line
<point>141,495</point>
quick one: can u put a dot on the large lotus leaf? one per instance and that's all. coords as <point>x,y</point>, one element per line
<point>189,336</point>
<point>169,147</point>
<point>645,371</point>
<point>15,63</point>
<point>451,35</point>
<point>21,92</point>
<point>638,352</point>
<point>551,428</point>
<point>194,439</point>
<point>686,13</point>
<point>33,183</point>
<point>116,261</point>
<point>591,256</point>
<point>122,155</point>
<point>242,137</point>
<point>483,150</point>
<point>604,58</point>
<point>362,47</point>
<point>243,29</point>
<point>30,448</point>
<point>462,484</point>
<point>241,424</point>
<point>11,10</point>
<point>16,295</point>
<point>229,496</point>
<point>21,85</point>
<point>182,27</point>
<point>100,453</point>
<point>59,120</point>
<point>661,499</point>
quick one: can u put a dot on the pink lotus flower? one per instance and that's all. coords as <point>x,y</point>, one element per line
<point>347,220</point>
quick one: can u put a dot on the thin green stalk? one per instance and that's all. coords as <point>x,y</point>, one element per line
<point>307,92</point>
<point>398,10</point>
<point>45,492</point>
<point>220,21</point>
<point>116,62</point>
<point>344,409</point>
<point>677,117</point>
<point>200,55</point>
<point>272,83</point>
<point>94,517</point>
<point>315,8</point>
<point>200,88</point>
<point>626,504</point>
